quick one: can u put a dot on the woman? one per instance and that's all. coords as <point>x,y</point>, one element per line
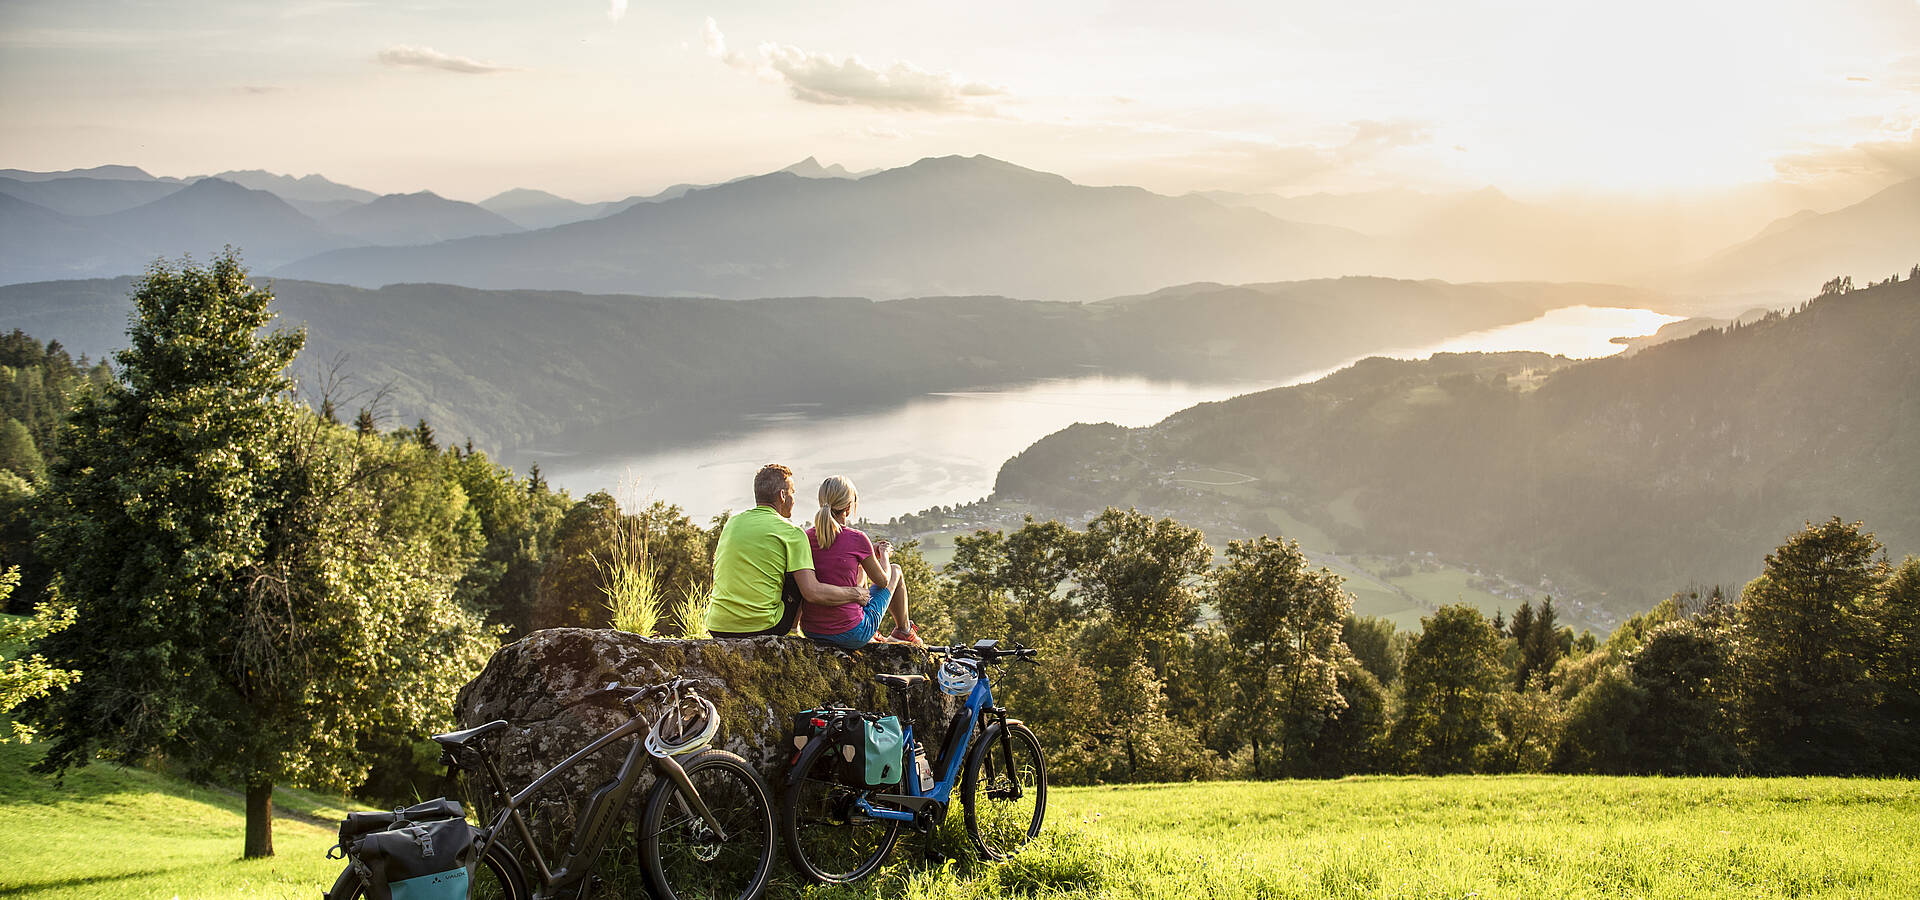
<point>840,555</point>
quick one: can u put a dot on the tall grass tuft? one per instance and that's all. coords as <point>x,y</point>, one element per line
<point>630,579</point>
<point>693,611</point>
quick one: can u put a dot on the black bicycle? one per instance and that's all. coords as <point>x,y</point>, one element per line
<point>706,830</point>
<point>838,832</point>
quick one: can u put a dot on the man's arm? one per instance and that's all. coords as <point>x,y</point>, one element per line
<point>825,594</point>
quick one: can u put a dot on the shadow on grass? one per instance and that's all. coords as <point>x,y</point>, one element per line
<point>28,887</point>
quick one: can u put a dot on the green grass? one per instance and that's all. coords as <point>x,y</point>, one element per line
<point>1482,837</point>
<point>119,833</point>
<point>1449,585</point>
<point>110,832</point>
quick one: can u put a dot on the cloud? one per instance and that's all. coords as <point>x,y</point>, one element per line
<point>259,89</point>
<point>405,56</point>
<point>821,78</point>
<point>1371,137</point>
<point>1895,159</point>
<point>616,10</point>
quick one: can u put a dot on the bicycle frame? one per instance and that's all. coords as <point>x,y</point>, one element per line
<point>597,814</point>
<point>979,706</point>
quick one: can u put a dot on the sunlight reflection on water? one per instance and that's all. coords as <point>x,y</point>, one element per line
<point>947,447</point>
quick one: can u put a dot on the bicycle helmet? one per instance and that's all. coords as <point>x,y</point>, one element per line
<point>684,727</point>
<point>957,676</point>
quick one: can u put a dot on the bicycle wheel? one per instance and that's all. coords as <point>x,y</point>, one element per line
<point>827,839</point>
<point>678,849</point>
<point>497,877</point>
<point>1004,803</point>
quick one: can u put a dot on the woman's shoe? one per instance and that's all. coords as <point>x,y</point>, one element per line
<point>908,635</point>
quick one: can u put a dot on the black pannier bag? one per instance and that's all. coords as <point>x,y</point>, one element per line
<point>424,852</point>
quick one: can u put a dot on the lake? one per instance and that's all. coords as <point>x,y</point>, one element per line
<point>946,448</point>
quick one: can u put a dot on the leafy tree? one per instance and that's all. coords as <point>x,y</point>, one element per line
<point>1374,642</point>
<point>1353,739</point>
<point>1806,640</point>
<point>1682,726</point>
<point>570,585</point>
<point>1898,668</point>
<point>18,453</point>
<point>1282,621</point>
<point>239,607</point>
<point>1598,734</point>
<point>29,675</point>
<point>1449,687</point>
<point>1139,570</point>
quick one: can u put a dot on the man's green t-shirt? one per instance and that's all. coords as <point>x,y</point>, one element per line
<point>756,551</point>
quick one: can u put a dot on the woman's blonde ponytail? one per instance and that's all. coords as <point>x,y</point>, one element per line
<point>836,494</point>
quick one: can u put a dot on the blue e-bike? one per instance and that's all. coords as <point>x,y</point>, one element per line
<point>837,831</point>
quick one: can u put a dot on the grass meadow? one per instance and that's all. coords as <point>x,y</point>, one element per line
<point>121,833</point>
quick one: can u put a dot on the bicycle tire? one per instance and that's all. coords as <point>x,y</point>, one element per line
<point>498,877</point>
<point>1001,825</point>
<point>678,852</point>
<point>823,841</point>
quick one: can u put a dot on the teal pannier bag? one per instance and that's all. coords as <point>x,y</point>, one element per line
<point>880,751</point>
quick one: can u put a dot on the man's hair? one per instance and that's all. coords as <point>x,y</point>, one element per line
<point>768,482</point>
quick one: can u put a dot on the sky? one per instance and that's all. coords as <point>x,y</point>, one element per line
<point>602,99</point>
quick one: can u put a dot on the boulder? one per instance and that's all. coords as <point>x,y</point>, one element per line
<point>547,687</point>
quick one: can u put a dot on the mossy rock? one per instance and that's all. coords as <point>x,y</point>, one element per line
<point>547,687</point>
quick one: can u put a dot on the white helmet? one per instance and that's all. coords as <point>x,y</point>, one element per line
<point>688,725</point>
<point>957,676</point>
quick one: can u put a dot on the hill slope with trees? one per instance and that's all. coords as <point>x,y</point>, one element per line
<point>1619,480</point>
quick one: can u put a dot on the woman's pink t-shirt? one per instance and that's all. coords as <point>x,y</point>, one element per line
<point>838,564</point>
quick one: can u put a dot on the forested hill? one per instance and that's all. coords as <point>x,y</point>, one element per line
<point>1620,480</point>
<point>515,369</point>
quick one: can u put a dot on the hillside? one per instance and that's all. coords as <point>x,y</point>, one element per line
<point>949,226</point>
<point>519,368</point>
<point>1870,240</point>
<point>1616,481</point>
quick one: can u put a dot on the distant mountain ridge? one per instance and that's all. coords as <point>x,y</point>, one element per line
<point>418,218</point>
<point>942,226</point>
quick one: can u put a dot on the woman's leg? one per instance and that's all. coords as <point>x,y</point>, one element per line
<point>897,580</point>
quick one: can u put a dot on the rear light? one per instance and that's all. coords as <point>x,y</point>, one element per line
<point>817,723</point>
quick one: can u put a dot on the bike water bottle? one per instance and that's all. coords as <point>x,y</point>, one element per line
<point>925,768</point>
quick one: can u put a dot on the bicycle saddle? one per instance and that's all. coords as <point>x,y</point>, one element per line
<point>462,738</point>
<point>899,681</point>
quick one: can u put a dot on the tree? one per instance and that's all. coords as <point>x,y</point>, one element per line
<point>28,676</point>
<point>241,604</point>
<point>1541,647</point>
<point>1282,622</point>
<point>1449,686</point>
<point>1140,571</point>
<point>1374,642</point>
<point>1898,668</point>
<point>1682,725</point>
<point>18,453</point>
<point>1806,639</point>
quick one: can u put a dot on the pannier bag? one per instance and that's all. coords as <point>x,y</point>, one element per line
<point>426,852</point>
<point>871,748</point>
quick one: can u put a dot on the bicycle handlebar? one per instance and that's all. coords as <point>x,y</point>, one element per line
<point>986,651</point>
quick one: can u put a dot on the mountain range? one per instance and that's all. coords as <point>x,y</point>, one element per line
<point>940,226</point>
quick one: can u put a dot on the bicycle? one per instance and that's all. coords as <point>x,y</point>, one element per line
<point>837,833</point>
<point>706,830</point>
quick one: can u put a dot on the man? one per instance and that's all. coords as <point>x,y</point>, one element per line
<point>762,561</point>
